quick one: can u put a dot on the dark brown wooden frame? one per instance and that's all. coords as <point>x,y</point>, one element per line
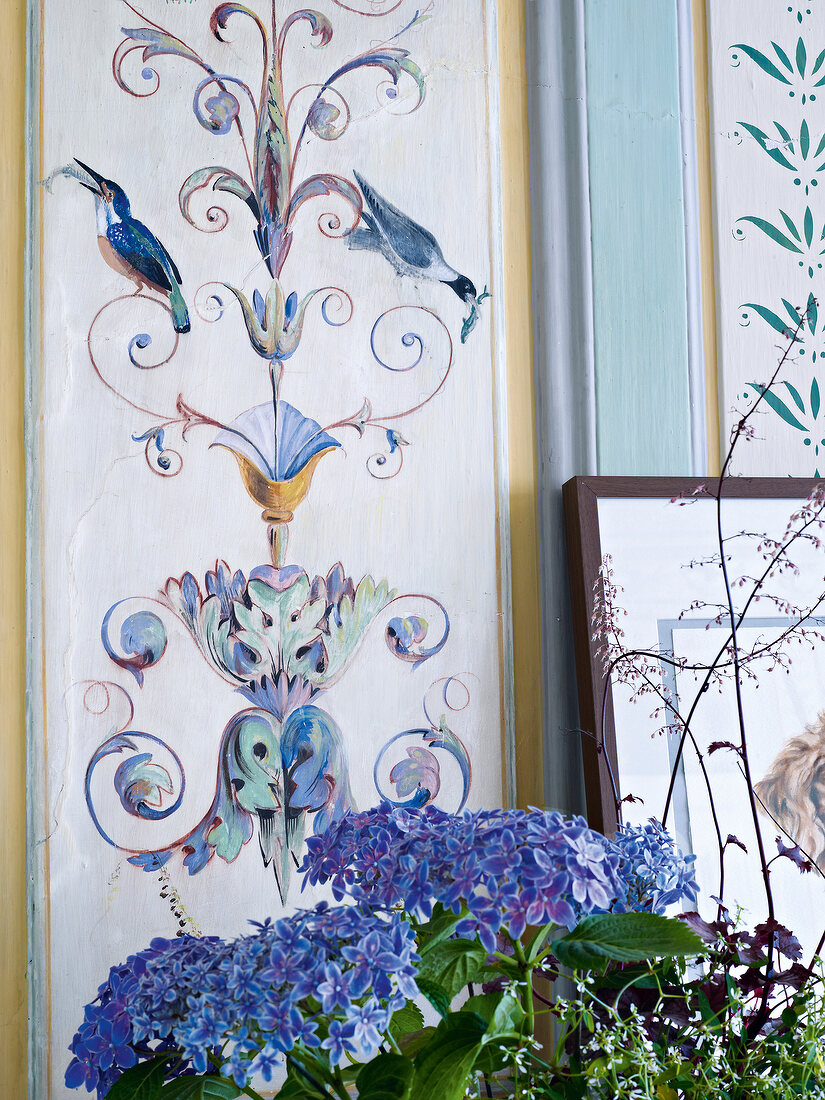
<point>584,555</point>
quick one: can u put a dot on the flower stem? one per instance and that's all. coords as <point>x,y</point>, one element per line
<point>393,1043</point>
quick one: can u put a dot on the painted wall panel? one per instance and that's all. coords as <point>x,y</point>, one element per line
<point>767,79</point>
<point>366,422</point>
<point>638,237</point>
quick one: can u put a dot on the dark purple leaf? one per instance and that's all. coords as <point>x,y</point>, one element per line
<point>785,942</point>
<point>706,932</point>
<point>735,840</point>
<point>714,746</point>
<point>795,855</point>
<point>795,977</point>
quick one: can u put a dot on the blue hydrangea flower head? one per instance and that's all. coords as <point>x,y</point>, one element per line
<point>504,868</point>
<point>653,871</point>
<point>257,994</point>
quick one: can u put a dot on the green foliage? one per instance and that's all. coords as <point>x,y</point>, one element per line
<point>298,1088</point>
<point>625,937</point>
<point>444,1064</point>
<point>200,1088</point>
<point>408,1019</point>
<point>141,1082</point>
<point>453,964</point>
<point>387,1077</point>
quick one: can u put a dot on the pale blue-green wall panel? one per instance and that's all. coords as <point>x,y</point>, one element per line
<point>638,237</point>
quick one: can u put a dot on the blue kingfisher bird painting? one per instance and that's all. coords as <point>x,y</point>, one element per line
<point>131,249</point>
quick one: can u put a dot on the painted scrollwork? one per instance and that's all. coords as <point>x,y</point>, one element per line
<point>279,637</point>
<point>281,640</point>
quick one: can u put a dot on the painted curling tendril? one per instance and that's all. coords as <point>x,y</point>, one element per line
<point>416,780</point>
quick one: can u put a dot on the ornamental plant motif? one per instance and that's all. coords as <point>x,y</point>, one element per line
<point>278,636</point>
<point>801,71</point>
<point>796,73</point>
<point>803,239</point>
<point>281,640</point>
<point>799,409</point>
<point>796,155</point>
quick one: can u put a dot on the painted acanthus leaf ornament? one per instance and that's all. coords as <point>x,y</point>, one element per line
<point>280,639</point>
<point>278,622</point>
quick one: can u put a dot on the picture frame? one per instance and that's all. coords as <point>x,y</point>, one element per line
<point>659,534</point>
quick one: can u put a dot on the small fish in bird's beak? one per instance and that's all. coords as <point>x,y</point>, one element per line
<point>83,176</point>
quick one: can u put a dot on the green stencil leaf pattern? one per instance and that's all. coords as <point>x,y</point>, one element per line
<point>810,251</point>
<point>771,231</point>
<point>795,75</point>
<point>801,57</point>
<point>778,406</point>
<point>771,318</point>
<point>794,392</point>
<point>764,62</point>
<point>762,139</point>
<point>791,227</point>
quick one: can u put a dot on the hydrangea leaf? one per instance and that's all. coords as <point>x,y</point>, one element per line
<point>200,1088</point>
<point>141,1082</point>
<point>296,1088</point>
<point>453,964</point>
<point>504,1015</point>
<point>406,1020</point>
<point>502,1012</point>
<point>438,928</point>
<point>442,1067</point>
<point>435,995</point>
<point>507,1016</point>
<point>387,1077</point>
<point>625,937</point>
<point>411,1044</point>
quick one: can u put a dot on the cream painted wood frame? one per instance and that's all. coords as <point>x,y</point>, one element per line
<point>523,556</point>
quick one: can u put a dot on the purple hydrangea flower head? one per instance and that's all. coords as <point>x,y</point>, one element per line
<point>501,869</point>
<point>256,997</point>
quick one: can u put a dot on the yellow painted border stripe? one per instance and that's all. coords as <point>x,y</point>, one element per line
<point>521,411</point>
<point>13,1013</point>
<point>701,80</point>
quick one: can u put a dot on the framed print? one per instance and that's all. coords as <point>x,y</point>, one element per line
<point>644,560</point>
<point>269,455</point>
